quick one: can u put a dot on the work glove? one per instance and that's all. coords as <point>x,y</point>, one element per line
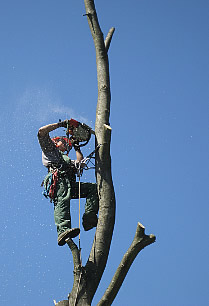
<point>63,123</point>
<point>75,144</point>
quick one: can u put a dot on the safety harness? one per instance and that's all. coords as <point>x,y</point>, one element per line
<point>50,181</point>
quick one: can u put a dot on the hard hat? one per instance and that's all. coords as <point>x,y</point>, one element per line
<point>66,141</point>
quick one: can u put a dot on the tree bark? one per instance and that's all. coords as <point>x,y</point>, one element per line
<point>103,236</point>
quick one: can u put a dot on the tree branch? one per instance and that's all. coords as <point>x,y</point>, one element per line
<point>109,38</point>
<point>78,269</point>
<point>75,252</point>
<point>140,241</point>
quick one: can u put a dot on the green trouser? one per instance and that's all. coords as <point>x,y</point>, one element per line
<point>66,190</point>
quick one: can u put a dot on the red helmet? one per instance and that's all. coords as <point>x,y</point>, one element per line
<point>66,141</point>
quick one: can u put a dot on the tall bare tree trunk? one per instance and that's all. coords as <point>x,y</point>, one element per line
<point>103,236</point>
<point>87,278</point>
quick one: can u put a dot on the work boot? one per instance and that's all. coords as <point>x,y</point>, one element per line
<point>69,233</point>
<point>89,221</point>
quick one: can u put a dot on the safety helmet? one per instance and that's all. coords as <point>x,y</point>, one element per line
<point>66,141</point>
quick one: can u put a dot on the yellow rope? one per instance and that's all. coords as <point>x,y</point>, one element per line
<point>79,237</point>
<point>79,197</point>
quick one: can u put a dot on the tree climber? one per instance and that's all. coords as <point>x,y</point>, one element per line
<point>60,183</point>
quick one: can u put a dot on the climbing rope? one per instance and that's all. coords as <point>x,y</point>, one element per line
<point>85,162</point>
<point>79,222</point>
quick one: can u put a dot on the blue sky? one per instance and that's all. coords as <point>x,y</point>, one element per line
<point>159,117</point>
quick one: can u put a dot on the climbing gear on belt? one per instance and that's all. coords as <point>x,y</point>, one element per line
<point>51,179</point>
<point>50,183</point>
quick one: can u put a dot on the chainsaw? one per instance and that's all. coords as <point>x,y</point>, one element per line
<point>80,132</point>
